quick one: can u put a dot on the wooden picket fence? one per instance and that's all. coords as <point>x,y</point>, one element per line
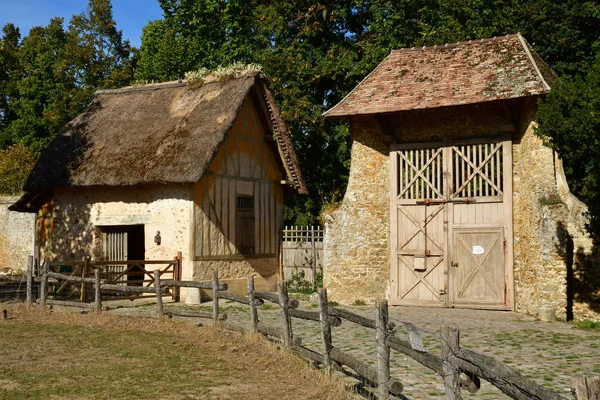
<point>302,252</point>
<point>452,362</point>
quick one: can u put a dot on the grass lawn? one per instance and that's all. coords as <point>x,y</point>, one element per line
<point>71,356</point>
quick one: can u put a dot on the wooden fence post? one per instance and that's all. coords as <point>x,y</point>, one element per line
<point>176,296</point>
<point>97,293</point>
<point>383,350</point>
<point>215,285</point>
<point>325,329</point>
<point>44,286</point>
<point>314,257</point>
<point>586,387</point>
<point>29,298</point>
<point>86,268</point>
<point>285,314</point>
<point>450,345</point>
<point>159,300</point>
<point>253,310</point>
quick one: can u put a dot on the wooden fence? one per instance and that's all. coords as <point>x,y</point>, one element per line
<point>449,365</point>
<point>302,251</point>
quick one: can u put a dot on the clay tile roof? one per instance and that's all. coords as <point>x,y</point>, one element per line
<point>165,133</point>
<point>448,75</point>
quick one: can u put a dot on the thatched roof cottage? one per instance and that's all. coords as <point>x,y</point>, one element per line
<point>203,166</point>
<point>452,201</point>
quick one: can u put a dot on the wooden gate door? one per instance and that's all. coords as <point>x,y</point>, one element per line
<point>451,224</point>
<point>419,249</point>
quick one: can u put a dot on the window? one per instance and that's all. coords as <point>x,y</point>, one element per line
<point>245,224</point>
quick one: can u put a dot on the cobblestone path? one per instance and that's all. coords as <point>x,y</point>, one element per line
<point>547,353</point>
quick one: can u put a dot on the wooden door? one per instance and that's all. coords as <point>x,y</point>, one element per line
<point>477,269</point>
<point>451,224</point>
<point>419,249</point>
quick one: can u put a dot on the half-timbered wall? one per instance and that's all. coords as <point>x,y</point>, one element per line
<point>238,204</point>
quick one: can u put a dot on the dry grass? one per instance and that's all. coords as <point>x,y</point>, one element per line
<point>71,356</point>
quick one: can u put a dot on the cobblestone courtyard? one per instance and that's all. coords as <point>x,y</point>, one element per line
<point>548,353</point>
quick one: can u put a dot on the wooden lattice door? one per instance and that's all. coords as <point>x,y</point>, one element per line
<point>451,221</point>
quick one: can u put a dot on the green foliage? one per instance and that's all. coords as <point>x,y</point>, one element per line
<point>15,164</point>
<point>315,53</point>
<point>569,122</point>
<point>49,76</point>
<point>298,283</point>
<point>359,302</point>
<point>587,324</point>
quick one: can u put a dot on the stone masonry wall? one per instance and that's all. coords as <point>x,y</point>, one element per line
<point>356,259</point>
<point>539,264</point>
<point>17,231</point>
<point>78,214</point>
<point>546,218</point>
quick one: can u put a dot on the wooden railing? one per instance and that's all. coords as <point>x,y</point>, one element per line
<point>449,365</point>
<point>129,273</point>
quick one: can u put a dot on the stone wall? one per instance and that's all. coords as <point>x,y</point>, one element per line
<point>539,266</point>
<point>78,214</point>
<point>17,231</point>
<point>356,258</point>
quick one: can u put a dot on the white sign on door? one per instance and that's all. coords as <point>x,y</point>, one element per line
<point>478,250</point>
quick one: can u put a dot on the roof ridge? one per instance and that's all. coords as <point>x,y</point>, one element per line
<point>141,88</point>
<point>452,45</point>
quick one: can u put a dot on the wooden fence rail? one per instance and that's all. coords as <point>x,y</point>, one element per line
<point>452,362</point>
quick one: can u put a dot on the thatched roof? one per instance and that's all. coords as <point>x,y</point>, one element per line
<point>470,72</point>
<point>165,133</point>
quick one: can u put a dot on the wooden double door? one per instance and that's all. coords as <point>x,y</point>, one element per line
<point>451,224</point>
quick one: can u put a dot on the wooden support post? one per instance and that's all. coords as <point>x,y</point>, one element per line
<point>159,302</point>
<point>325,329</point>
<point>84,273</point>
<point>586,387</point>
<point>44,286</point>
<point>314,257</point>
<point>383,350</point>
<point>176,296</point>
<point>97,293</point>
<point>285,315</point>
<point>29,298</point>
<point>451,373</point>
<point>215,284</point>
<point>253,310</point>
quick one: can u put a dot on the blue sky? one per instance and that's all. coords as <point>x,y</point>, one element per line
<point>130,15</point>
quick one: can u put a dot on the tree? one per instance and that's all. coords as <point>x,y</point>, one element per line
<point>43,101</point>
<point>50,76</point>
<point>315,52</point>
<point>15,164</point>
<point>569,122</point>
<point>100,56</point>
<point>9,69</point>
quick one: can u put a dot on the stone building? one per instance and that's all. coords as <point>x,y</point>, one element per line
<point>148,171</point>
<point>452,200</point>
<point>17,231</point>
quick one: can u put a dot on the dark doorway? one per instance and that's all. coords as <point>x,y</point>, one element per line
<point>136,250</point>
<point>125,243</point>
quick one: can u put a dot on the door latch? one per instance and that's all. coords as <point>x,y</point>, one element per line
<point>454,264</point>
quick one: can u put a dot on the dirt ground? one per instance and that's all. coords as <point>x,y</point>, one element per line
<point>59,355</point>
